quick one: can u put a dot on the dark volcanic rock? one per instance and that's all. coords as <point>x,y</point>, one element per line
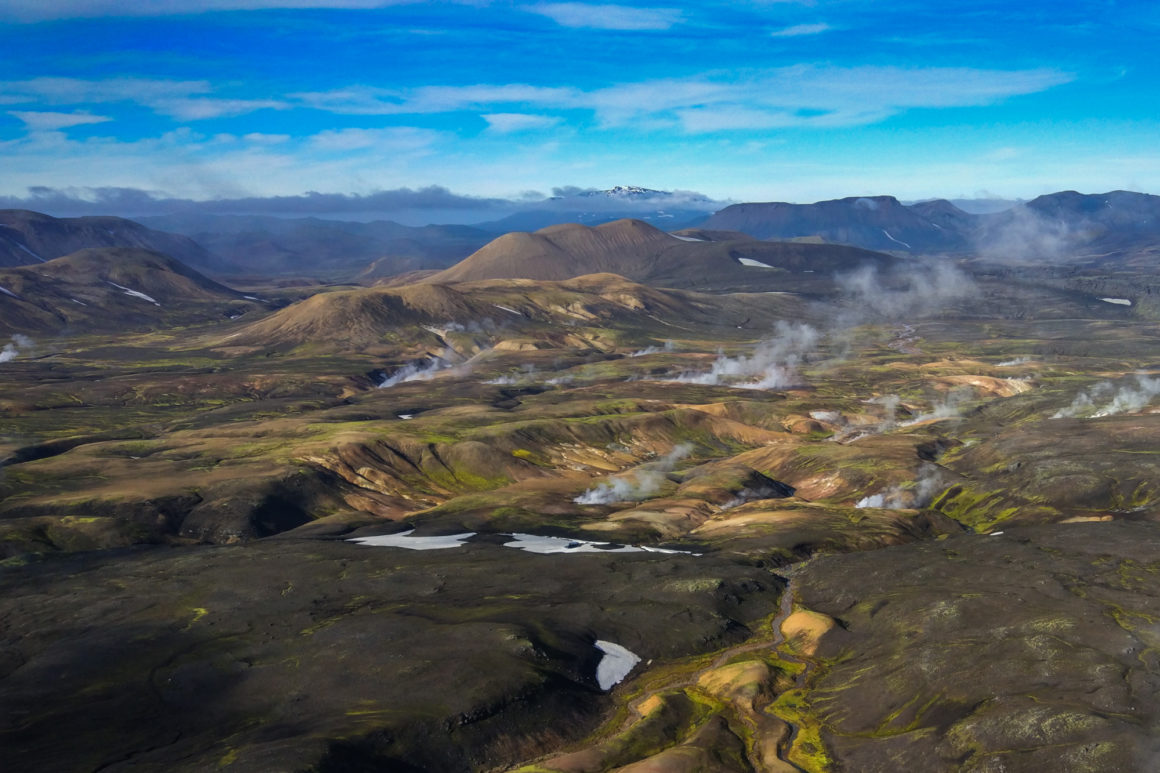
<point>293,655</point>
<point>1034,650</point>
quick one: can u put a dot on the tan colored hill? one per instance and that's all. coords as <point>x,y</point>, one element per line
<point>545,310</point>
<point>107,288</point>
<point>638,251</point>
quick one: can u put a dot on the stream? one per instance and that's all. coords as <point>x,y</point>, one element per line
<point>783,748</point>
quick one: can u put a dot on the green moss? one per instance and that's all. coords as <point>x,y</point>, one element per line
<point>808,751</point>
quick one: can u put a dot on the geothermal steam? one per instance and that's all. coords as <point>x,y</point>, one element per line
<point>1104,399</point>
<point>641,483</point>
<point>773,364</point>
<point>918,494</point>
<point>12,349</point>
<point>424,370</point>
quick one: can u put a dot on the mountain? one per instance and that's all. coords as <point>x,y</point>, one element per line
<point>111,288</point>
<point>27,238</point>
<point>550,313</point>
<point>625,192</point>
<point>272,245</point>
<point>1118,226</point>
<point>871,222</point>
<point>640,252</point>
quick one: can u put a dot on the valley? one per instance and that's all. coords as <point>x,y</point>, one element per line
<point>883,511</point>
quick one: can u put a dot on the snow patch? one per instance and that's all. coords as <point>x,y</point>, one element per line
<point>405,540</point>
<point>615,665</point>
<point>134,293</point>
<point>753,263</point>
<point>1117,301</point>
<point>508,309</point>
<point>30,252</point>
<point>897,241</point>
<point>6,291</point>
<point>534,543</point>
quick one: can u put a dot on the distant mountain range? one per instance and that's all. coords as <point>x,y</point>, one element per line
<point>1065,225</point>
<point>27,238</point>
<point>1119,226</point>
<point>261,244</point>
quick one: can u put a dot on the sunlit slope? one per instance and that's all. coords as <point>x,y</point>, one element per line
<point>638,251</point>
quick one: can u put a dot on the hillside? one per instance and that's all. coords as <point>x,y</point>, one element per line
<point>28,238</point>
<point>110,288</point>
<point>493,310</point>
<point>638,251</point>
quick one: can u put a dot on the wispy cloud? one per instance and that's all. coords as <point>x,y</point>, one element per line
<point>186,109</point>
<point>393,139</point>
<point>799,30</point>
<point>608,17</point>
<point>515,122</point>
<point>62,91</point>
<point>39,10</point>
<point>808,95</point>
<point>369,100</point>
<point>802,95</point>
<point>48,121</point>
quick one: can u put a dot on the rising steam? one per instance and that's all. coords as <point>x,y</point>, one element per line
<point>641,483</point>
<point>668,347</point>
<point>1023,235</point>
<point>918,494</point>
<point>1104,399</point>
<point>922,289</point>
<point>12,349</point>
<point>949,407</point>
<point>773,364</point>
<point>424,370</point>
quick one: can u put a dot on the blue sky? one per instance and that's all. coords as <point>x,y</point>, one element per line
<point>760,100</point>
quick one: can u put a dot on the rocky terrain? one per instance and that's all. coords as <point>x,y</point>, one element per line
<point>847,511</point>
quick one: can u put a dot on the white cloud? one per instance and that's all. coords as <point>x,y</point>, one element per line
<point>37,120</point>
<point>393,139</point>
<point>62,91</point>
<point>185,109</point>
<point>259,138</point>
<point>799,30</point>
<point>368,100</point>
<point>608,17</point>
<point>515,122</point>
<point>807,95</point>
<point>801,95</point>
<point>42,10</point>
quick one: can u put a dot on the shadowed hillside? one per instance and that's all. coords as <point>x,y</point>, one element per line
<point>27,238</point>
<point>110,288</point>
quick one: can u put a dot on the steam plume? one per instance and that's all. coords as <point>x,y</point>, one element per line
<point>12,349</point>
<point>773,364</point>
<point>424,370</point>
<point>917,495</point>
<point>1023,235</point>
<point>921,290</point>
<point>668,347</point>
<point>642,483</point>
<point>1104,399</point>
